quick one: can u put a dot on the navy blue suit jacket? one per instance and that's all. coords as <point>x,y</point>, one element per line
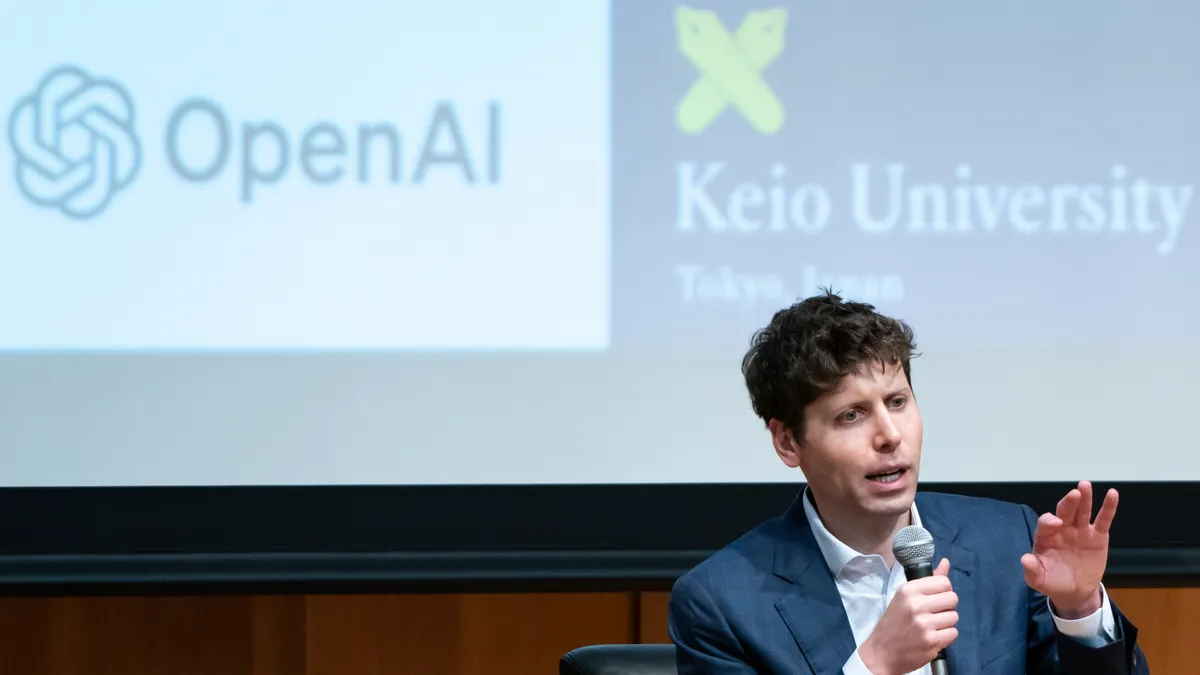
<point>768,603</point>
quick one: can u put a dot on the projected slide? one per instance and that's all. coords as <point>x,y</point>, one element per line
<point>253,242</point>
<point>1002,175</point>
<point>258,175</point>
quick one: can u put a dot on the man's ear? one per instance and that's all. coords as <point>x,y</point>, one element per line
<point>785,443</point>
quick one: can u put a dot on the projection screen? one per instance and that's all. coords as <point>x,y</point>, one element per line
<point>264,243</point>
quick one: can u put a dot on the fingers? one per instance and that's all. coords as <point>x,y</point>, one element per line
<point>1108,510</point>
<point>1035,573</point>
<point>928,586</point>
<point>1083,512</point>
<point>940,603</point>
<point>943,620</point>
<point>1068,506</point>
<point>947,637</point>
<point>943,568</point>
<point>934,640</point>
<point>944,638</point>
<point>1075,509</point>
<point>1048,526</point>
<point>931,586</point>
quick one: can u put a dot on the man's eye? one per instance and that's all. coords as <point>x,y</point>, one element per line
<point>898,402</point>
<point>850,416</point>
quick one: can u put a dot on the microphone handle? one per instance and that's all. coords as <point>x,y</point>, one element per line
<point>920,571</point>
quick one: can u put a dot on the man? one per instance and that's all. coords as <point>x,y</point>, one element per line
<point>817,590</point>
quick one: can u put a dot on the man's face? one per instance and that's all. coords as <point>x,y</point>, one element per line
<point>861,450</point>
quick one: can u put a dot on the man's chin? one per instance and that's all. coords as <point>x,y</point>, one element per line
<point>893,504</point>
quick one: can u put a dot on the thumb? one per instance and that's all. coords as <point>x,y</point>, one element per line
<point>943,568</point>
<point>1034,572</point>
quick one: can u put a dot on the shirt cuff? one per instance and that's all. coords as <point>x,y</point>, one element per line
<point>855,666</point>
<point>1094,630</point>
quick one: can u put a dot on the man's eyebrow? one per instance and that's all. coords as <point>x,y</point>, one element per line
<point>862,401</point>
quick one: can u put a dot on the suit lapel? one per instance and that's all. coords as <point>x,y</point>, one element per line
<point>963,654</point>
<point>813,609</point>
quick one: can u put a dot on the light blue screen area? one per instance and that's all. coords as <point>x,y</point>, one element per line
<point>272,175</point>
<point>278,243</point>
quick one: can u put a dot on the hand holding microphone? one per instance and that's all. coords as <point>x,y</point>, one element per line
<point>919,623</point>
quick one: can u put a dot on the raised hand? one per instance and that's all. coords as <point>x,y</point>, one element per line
<point>1070,553</point>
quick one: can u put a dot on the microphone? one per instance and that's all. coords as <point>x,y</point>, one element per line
<point>913,548</point>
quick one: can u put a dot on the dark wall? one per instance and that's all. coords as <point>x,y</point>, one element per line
<point>463,537</point>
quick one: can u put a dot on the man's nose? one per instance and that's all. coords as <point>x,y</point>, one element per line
<point>888,435</point>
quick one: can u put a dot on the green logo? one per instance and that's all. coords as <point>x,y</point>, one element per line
<point>730,68</point>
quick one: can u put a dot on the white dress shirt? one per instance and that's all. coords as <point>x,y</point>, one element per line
<point>867,586</point>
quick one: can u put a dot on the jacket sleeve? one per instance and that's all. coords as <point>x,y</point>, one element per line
<point>704,642</point>
<point>1050,652</point>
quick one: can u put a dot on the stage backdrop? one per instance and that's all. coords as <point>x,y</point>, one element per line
<point>257,255</point>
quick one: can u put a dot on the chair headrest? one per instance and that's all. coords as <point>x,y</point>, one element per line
<point>640,659</point>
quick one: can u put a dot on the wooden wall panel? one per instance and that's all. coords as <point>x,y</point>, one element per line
<point>1168,621</point>
<point>652,624</point>
<point>280,635</point>
<point>394,634</point>
<point>368,635</point>
<point>314,635</point>
<point>459,634</point>
<point>146,636</point>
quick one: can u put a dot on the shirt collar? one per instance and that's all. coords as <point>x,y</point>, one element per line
<point>837,554</point>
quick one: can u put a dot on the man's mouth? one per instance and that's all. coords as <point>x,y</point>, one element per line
<point>889,477</point>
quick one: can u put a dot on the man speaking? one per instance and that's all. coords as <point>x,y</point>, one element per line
<point>819,589</point>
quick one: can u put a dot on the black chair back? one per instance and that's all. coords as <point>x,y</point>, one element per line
<point>619,660</point>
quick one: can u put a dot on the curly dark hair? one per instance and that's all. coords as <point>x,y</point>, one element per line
<point>809,347</point>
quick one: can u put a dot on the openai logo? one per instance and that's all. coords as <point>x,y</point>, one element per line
<point>74,142</point>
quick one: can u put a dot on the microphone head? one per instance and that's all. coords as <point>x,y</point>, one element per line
<point>913,545</point>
